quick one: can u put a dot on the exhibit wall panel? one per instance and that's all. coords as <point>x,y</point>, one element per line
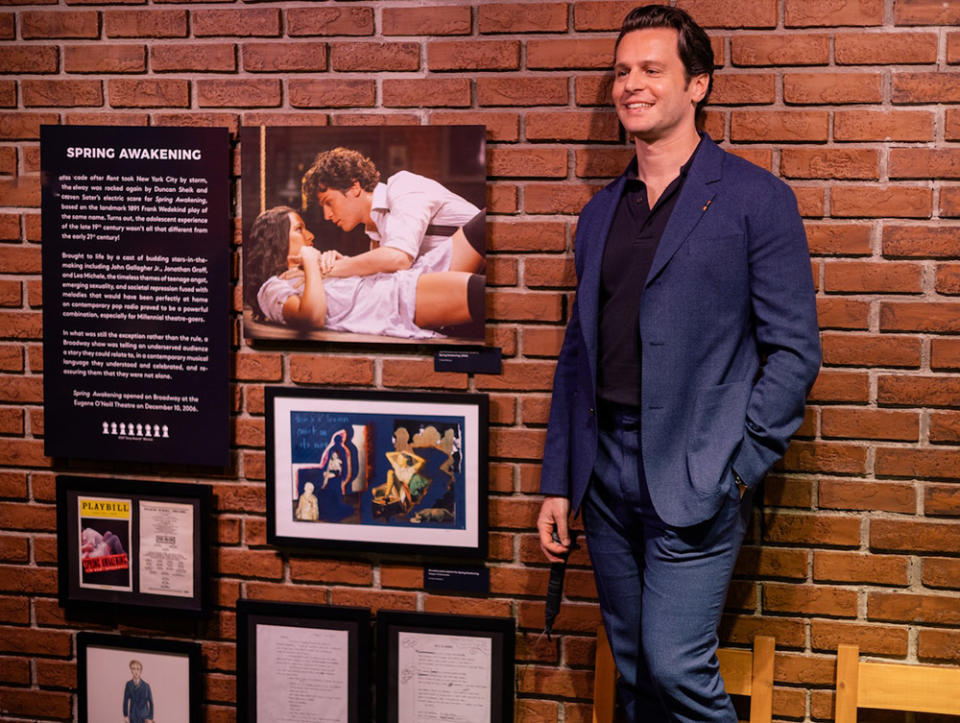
<point>855,105</point>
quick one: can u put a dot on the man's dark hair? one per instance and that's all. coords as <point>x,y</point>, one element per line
<point>338,169</point>
<point>693,45</point>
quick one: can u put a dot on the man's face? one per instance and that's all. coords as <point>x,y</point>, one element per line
<point>347,209</point>
<point>135,671</point>
<point>650,90</point>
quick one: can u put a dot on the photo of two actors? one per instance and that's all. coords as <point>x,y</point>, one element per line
<point>366,234</point>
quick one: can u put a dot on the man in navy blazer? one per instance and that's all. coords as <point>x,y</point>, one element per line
<point>690,349</point>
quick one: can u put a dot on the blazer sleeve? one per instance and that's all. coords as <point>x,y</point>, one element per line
<point>783,303</point>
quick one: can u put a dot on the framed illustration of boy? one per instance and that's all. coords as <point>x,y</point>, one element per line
<point>444,668</point>
<point>137,680</point>
<point>132,544</point>
<point>302,662</point>
<point>364,234</point>
<point>391,471</point>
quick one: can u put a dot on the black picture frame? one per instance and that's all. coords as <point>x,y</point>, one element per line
<point>104,665</point>
<point>283,628</point>
<point>439,661</point>
<point>169,573</point>
<point>394,472</point>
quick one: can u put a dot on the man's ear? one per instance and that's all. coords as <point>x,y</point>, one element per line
<point>355,189</point>
<point>700,85</point>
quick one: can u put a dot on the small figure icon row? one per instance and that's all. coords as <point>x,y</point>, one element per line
<point>129,429</point>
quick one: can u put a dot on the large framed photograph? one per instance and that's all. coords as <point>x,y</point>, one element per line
<point>444,667</point>
<point>397,472</point>
<point>302,662</point>
<point>134,544</point>
<point>364,234</point>
<point>137,679</point>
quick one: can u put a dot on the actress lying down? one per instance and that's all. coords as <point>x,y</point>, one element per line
<point>290,288</point>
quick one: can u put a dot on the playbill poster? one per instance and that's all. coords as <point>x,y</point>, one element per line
<point>302,674</point>
<point>443,678</point>
<point>166,548</point>
<point>105,543</point>
<point>136,256</point>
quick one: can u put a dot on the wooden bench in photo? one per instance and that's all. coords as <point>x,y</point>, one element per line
<point>893,686</point>
<point>744,673</point>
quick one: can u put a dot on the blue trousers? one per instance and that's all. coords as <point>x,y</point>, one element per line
<point>661,588</point>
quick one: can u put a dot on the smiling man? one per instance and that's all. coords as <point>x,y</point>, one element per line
<point>690,349</point>
<point>405,218</point>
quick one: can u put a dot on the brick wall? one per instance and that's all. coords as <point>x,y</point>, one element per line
<point>856,104</point>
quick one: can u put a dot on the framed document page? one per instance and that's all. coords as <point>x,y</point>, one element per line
<point>137,679</point>
<point>129,543</point>
<point>444,668</point>
<point>302,663</point>
<point>399,472</point>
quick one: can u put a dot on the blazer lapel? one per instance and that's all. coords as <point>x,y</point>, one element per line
<point>697,193</point>
<point>588,291</point>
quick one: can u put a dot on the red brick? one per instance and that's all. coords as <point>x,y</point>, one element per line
<point>809,600</point>
<point>745,14</point>
<point>840,386</point>
<point>524,306</point>
<point>925,463</point>
<point>537,237</point>
<point>245,92</point>
<point>878,125</point>
<point>838,239</point>
<point>23,390</point>
<point>945,427</point>
<point>925,12</point>
<point>918,390</point>
<point>948,279</point>
<point>920,316</point>
<point>432,92</point>
<point>941,572</point>
<point>24,126</point>
<point>28,59</point>
<point>524,162</point>
<point>554,682</point>
<point>332,93</point>
<point>258,367</point>
<point>444,20</point>
<point>780,49</point>
<point>246,22</point>
<point>856,567</point>
<point>885,48</point>
<point>600,14</point>
<point>593,90</point>
<point>572,126</point>
<point>211,57</point>
<point>879,201</point>
<point>522,18</point>
<point>920,241</point>
<point>62,93</point>
<point>743,89</point>
<point>330,21</point>
<point>904,607</point>
<point>502,271</point>
<point>833,457</point>
<point>30,703</point>
<point>786,126</point>
<point>832,88</point>
<point>814,13</point>
<point>145,23</point>
<point>105,58</point>
<point>404,373</point>
<point>370,56</point>
<point>237,562</point>
<point>941,500</point>
<point>872,639</point>
<point>813,529</point>
<point>924,163</point>
<point>315,369</point>
<point>839,422</point>
<point>149,93</point>
<point>36,24</point>
<point>550,273</point>
<point>24,453</point>
<point>944,354</point>
<point>554,198</point>
<point>872,277</point>
<point>762,561</point>
<point>841,494</point>
<point>602,162</point>
<point>503,126</point>
<point>331,571</point>
<point>478,55</point>
<point>931,87</point>
<point>941,645</point>
<point>953,47</point>
<point>536,91</point>
<point>586,53</point>
<point>861,163</point>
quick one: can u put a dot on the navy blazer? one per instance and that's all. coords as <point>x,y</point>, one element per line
<point>729,340</point>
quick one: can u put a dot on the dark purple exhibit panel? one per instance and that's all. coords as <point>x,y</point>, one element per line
<point>136,293</point>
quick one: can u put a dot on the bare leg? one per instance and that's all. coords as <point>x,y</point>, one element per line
<point>442,299</point>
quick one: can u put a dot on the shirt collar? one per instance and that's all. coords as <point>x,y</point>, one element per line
<point>379,200</point>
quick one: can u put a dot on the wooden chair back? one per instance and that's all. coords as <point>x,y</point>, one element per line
<point>744,673</point>
<point>893,686</point>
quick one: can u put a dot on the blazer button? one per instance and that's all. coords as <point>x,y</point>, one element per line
<point>592,410</point>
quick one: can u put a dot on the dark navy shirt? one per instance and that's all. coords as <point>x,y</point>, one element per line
<point>627,257</point>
